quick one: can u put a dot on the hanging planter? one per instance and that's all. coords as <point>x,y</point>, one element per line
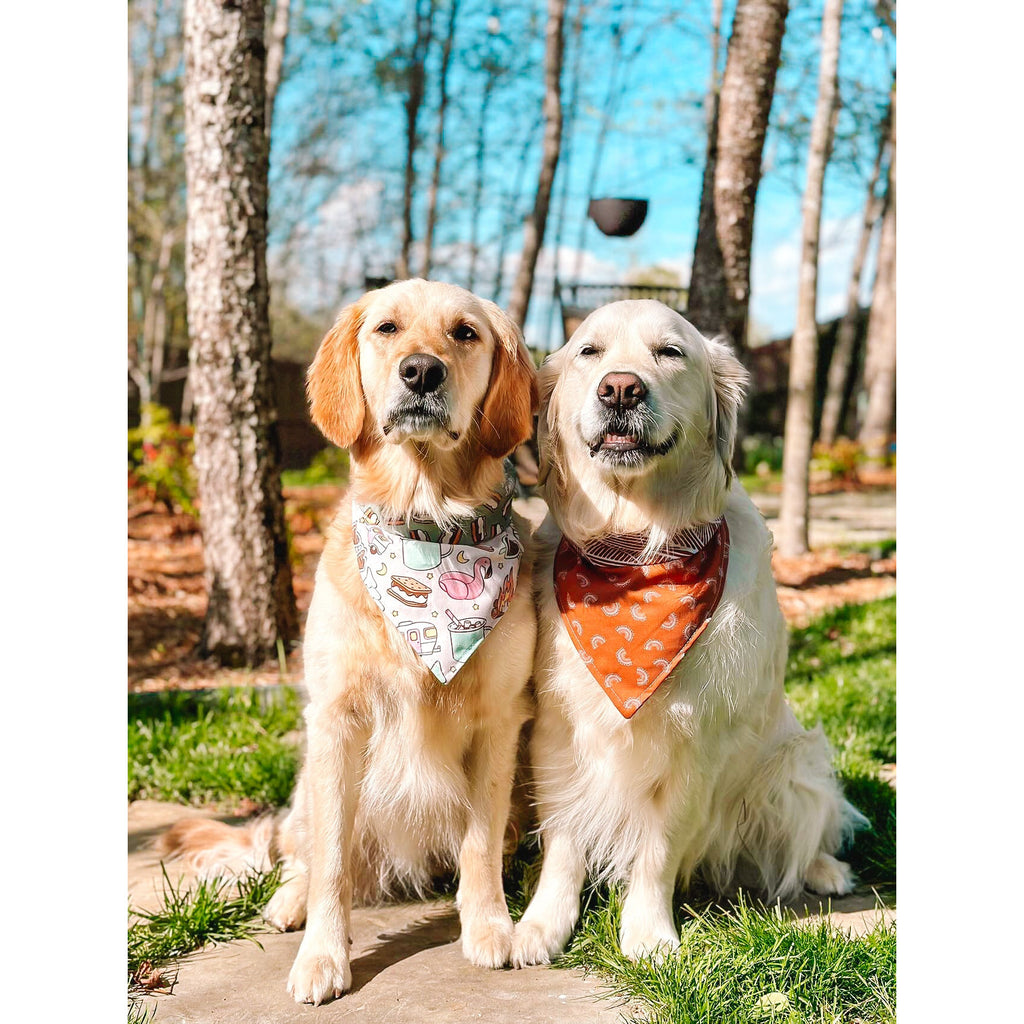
<point>618,217</point>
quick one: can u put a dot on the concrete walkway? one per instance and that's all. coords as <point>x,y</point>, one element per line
<point>407,965</point>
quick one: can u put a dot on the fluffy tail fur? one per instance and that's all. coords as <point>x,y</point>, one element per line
<point>213,848</point>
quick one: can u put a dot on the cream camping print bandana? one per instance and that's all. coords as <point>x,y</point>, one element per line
<point>443,589</point>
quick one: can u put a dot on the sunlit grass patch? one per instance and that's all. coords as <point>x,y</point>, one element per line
<point>745,963</point>
<point>219,746</point>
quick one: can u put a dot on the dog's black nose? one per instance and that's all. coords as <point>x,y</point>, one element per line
<point>621,390</point>
<point>422,373</point>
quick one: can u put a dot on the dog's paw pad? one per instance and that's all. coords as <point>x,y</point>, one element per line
<point>487,943</point>
<point>828,876</point>
<point>531,944</point>
<point>316,977</point>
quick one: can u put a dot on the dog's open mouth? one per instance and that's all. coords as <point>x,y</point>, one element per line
<point>630,449</point>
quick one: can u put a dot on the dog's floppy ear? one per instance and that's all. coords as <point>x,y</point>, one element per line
<point>333,386</point>
<point>506,419</point>
<point>729,380</point>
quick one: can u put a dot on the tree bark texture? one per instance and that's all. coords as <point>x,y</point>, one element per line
<point>792,536</point>
<point>533,235</point>
<point>719,293</point>
<point>880,361</point>
<point>277,37</point>
<point>248,577</point>
<point>842,354</point>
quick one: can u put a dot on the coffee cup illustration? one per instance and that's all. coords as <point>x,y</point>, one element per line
<point>465,634</point>
<point>421,554</point>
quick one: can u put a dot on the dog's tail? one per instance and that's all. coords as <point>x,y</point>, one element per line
<point>213,848</point>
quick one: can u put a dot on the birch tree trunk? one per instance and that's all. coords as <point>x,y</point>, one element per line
<point>796,455</point>
<point>277,37</point>
<point>719,293</point>
<point>439,145</point>
<point>842,354</point>
<point>533,235</point>
<point>251,603</point>
<point>880,361</point>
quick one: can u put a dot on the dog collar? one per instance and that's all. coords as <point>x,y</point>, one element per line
<point>444,587</point>
<point>631,620</point>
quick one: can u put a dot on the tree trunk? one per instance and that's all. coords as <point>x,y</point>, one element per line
<point>880,361</point>
<point>476,205</point>
<point>719,293</point>
<point>276,40</point>
<point>439,146</point>
<point>413,102</point>
<point>842,353</point>
<point>533,235</point>
<point>251,603</point>
<point>803,354</point>
<point>706,296</point>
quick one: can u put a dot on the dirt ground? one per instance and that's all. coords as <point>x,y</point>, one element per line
<point>167,599</point>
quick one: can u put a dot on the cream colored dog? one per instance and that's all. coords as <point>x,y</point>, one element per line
<point>429,387</point>
<point>713,773</point>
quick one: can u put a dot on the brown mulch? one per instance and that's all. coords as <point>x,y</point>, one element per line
<point>167,598</point>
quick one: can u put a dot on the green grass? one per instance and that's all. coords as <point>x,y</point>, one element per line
<point>842,671</point>
<point>219,746</point>
<point>217,910</point>
<point>745,963</point>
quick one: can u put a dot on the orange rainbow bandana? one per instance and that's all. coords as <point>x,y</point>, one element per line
<point>633,621</point>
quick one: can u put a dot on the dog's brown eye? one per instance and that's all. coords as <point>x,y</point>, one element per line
<point>671,351</point>
<point>464,333</point>
<point>587,350</point>
<point>386,328</point>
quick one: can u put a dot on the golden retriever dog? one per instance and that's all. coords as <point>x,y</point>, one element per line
<point>429,387</point>
<point>642,782</point>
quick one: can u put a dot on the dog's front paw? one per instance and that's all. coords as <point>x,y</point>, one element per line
<point>487,941</point>
<point>534,943</point>
<point>286,909</point>
<point>319,974</point>
<point>828,876</point>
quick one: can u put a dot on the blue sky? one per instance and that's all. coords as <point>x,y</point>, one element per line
<point>653,149</point>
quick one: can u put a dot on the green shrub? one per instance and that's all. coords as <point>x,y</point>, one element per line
<point>329,466</point>
<point>160,459</point>
<point>839,460</point>
<point>761,449</point>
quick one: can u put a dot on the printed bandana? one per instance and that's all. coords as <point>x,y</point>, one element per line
<point>443,589</point>
<point>633,620</point>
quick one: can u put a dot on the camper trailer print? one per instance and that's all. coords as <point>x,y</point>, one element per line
<point>422,637</point>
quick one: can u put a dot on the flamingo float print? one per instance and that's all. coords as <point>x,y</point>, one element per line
<point>460,586</point>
